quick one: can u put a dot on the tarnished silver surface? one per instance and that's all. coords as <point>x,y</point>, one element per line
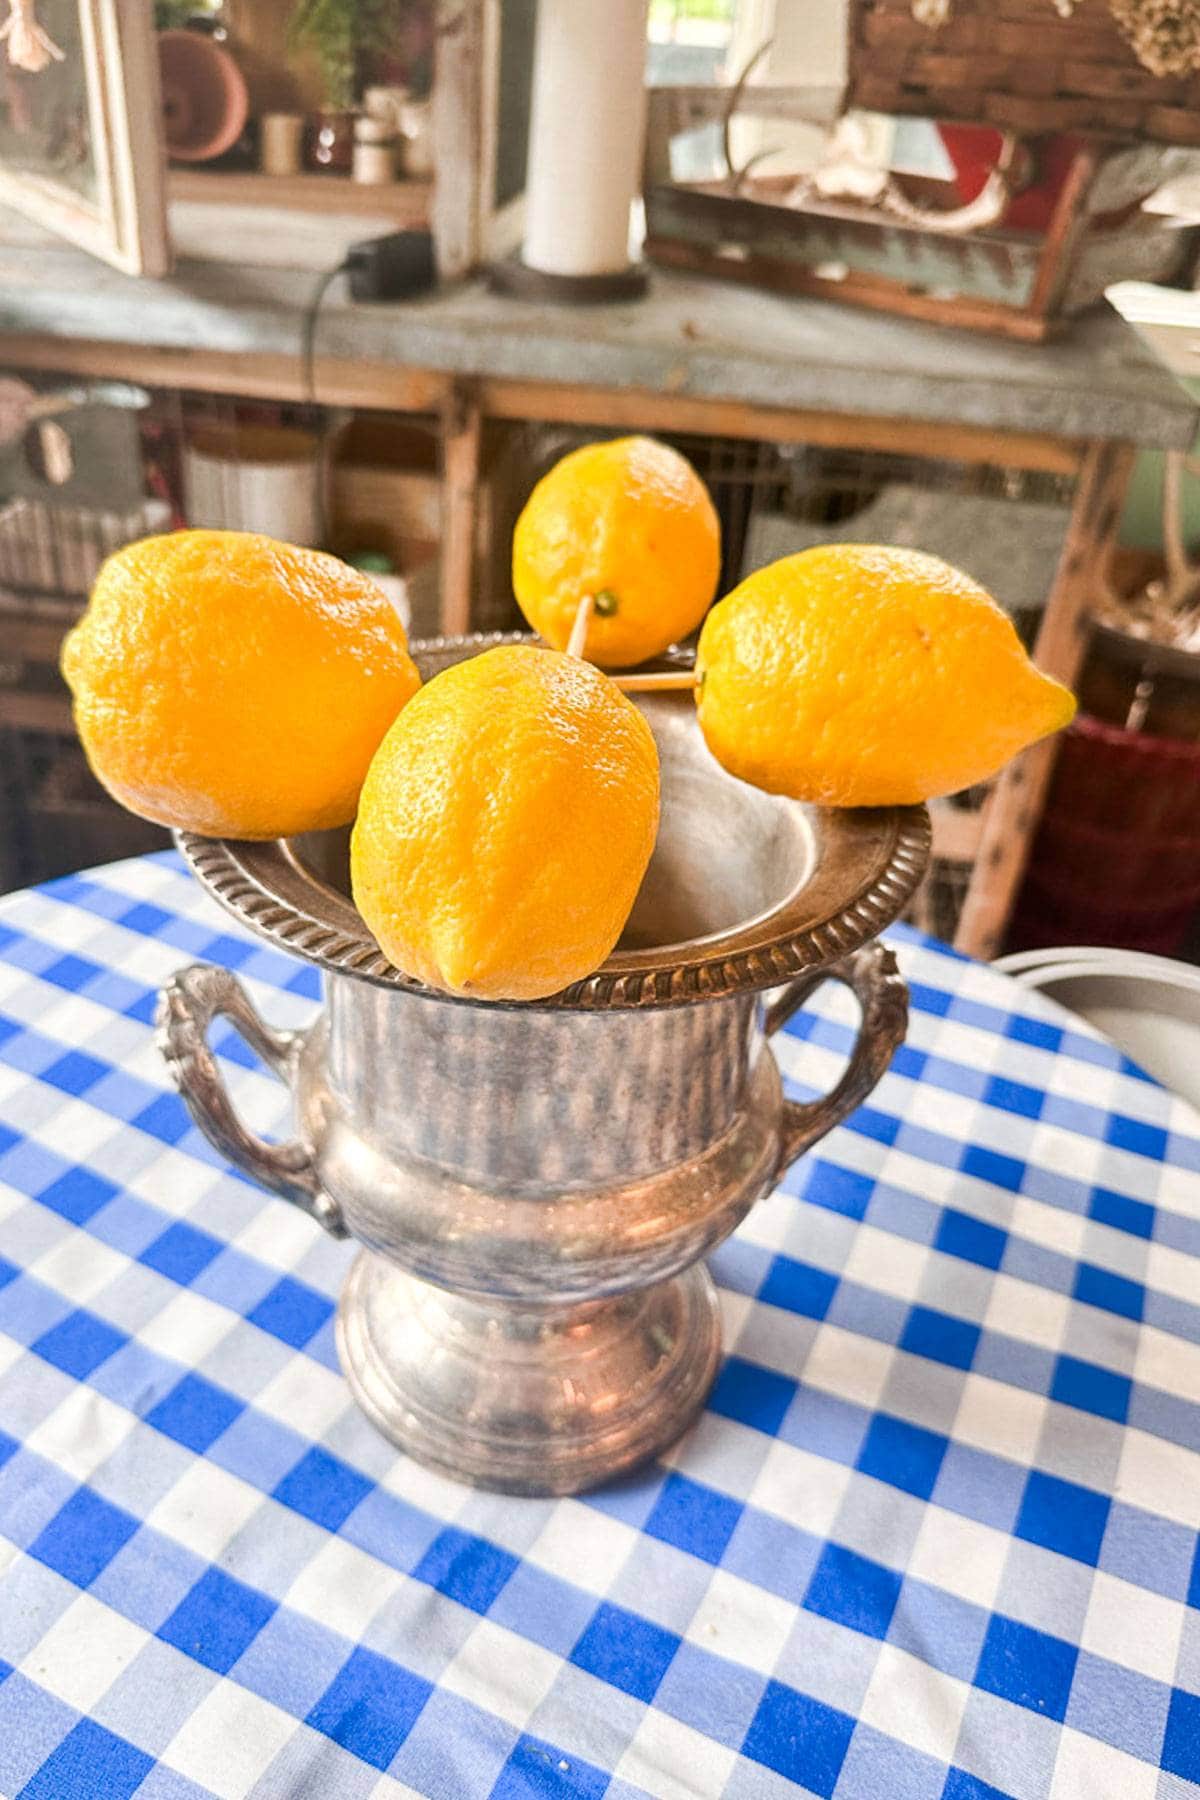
<point>540,1401</point>
<point>535,1184</point>
<point>545,1101</point>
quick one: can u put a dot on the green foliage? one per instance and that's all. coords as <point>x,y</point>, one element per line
<point>339,32</point>
<point>169,15</point>
<point>676,12</point>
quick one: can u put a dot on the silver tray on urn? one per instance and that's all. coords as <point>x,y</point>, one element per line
<point>535,1184</point>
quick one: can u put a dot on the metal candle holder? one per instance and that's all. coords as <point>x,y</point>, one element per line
<point>535,1185</point>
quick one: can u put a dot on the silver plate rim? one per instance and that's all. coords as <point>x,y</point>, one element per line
<point>870,862</point>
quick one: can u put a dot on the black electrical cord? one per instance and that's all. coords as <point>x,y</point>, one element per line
<point>308,390</point>
<point>308,334</point>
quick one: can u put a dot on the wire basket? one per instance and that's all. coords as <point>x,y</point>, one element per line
<point>744,476</point>
<point>58,549</point>
<point>774,498</point>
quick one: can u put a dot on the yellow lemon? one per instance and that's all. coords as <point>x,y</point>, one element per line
<point>854,675</point>
<point>231,685</point>
<point>630,524</point>
<point>505,825</point>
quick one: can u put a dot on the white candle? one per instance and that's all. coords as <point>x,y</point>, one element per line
<point>585,138</point>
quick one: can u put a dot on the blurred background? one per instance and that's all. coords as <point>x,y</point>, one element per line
<point>1000,224</point>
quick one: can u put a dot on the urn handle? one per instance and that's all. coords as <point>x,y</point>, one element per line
<point>187,1006</point>
<point>872,976</point>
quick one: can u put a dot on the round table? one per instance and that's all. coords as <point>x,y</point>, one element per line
<point>935,1537</point>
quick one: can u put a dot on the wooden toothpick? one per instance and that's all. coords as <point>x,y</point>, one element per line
<point>665,681</point>
<point>583,618</point>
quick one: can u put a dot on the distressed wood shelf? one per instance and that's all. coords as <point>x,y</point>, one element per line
<point>405,200</point>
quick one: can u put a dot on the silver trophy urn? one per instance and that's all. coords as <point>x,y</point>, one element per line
<point>535,1185</point>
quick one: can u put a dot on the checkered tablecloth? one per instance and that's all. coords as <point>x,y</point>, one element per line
<point>935,1537</point>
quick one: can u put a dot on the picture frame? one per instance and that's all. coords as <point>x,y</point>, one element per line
<point>81,145</point>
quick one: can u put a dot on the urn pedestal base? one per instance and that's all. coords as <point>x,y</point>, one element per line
<point>527,1400</point>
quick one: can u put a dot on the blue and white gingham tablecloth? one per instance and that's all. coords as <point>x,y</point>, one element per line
<point>934,1539</point>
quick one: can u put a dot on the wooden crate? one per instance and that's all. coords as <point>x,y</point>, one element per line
<point>1017,65</point>
<point>386,489</point>
<point>1016,284</point>
<point>918,248</point>
<point>385,493</point>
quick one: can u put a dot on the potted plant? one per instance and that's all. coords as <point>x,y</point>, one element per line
<point>339,33</point>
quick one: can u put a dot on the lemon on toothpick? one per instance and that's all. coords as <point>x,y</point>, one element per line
<point>864,675</point>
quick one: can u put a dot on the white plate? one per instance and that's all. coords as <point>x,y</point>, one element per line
<point>1022,962</point>
<point>1148,1005</point>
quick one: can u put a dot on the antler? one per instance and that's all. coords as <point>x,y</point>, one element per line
<point>738,176</point>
